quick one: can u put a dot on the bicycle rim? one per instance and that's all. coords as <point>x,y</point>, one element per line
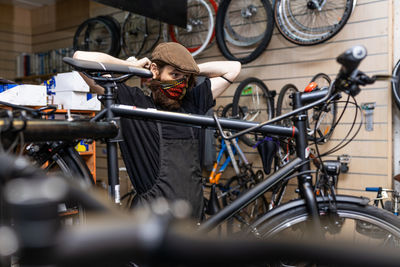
<point>67,165</point>
<point>354,223</point>
<point>395,84</point>
<point>139,34</point>
<point>254,99</point>
<point>244,28</point>
<point>234,188</point>
<point>95,34</point>
<point>311,22</point>
<point>285,103</point>
<point>199,29</point>
<point>321,119</point>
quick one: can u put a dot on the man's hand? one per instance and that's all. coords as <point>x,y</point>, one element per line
<point>140,63</point>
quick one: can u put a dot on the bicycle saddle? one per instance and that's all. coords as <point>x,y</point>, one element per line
<point>93,66</point>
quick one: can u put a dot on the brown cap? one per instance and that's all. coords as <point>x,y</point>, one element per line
<point>176,55</point>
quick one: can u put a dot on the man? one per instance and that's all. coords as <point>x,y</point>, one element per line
<point>162,159</point>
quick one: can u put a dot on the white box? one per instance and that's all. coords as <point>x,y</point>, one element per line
<point>77,100</point>
<point>26,94</point>
<point>70,81</point>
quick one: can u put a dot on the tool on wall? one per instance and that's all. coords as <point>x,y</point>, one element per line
<point>368,109</point>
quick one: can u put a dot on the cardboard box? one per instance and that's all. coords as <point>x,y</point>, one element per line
<point>70,81</point>
<point>77,100</point>
<point>27,95</point>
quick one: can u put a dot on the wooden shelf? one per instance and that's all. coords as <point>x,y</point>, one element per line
<point>86,153</point>
<point>35,78</point>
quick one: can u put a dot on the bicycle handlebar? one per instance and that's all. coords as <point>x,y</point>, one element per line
<point>350,60</point>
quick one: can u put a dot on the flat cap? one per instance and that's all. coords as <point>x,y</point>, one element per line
<point>176,55</point>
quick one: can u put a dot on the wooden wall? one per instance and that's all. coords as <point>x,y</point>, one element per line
<point>15,37</point>
<point>283,62</point>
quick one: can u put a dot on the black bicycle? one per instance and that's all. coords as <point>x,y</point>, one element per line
<point>152,237</point>
<point>328,215</point>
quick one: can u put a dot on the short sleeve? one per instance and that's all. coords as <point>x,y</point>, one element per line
<point>201,98</point>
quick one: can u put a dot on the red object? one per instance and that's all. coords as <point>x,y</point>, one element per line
<point>310,87</point>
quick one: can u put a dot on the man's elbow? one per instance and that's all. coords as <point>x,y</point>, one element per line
<point>235,70</point>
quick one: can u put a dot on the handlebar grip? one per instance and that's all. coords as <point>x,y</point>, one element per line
<point>372,189</point>
<point>350,60</point>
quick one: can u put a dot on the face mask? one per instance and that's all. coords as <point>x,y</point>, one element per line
<point>174,89</point>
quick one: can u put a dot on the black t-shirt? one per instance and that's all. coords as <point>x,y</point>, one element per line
<point>140,148</point>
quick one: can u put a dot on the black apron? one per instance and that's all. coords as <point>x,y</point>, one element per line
<point>179,174</point>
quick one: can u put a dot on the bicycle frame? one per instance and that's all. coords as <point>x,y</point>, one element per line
<point>298,132</point>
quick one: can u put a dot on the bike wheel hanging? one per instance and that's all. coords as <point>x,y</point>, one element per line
<point>285,103</point>
<point>256,102</point>
<point>199,29</point>
<point>322,118</point>
<point>244,28</point>
<point>139,34</point>
<point>98,34</point>
<point>395,84</point>
<point>309,22</point>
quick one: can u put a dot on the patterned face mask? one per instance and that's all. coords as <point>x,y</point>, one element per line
<point>174,89</point>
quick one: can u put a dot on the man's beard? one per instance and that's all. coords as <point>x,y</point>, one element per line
<point>164,102</point>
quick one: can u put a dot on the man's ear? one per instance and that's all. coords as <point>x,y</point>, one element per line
<point>155,70</point>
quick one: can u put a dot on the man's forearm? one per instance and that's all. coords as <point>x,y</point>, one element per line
<point>228,69</point>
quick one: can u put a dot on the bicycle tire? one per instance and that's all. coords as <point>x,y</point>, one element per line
<point>242,27</point>
<point>257,104</point>
<point>199,29</point>
<point>299,23</point>
<point>68,163</point>
<point>108,42</point>
<point>248,214</point>
<point>227,112</point>
<point>363,221</point>
<point>395,84</point>
<point>284,103</point>
<point>113,22</point>
<point>139,34</point>
<point>327,119</point>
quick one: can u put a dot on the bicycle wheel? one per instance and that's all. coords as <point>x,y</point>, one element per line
<point>199,28</point>
<point>65,162</point>
<point>256,103</point>
<point>284,103</point>
<point>395,84</point>
<point>309,22</point>
<point>97,34</point>
<point>352,223</point>
<point>139,34</point>
<point>322,118</point>
<point>244,28</point>
<point>235,187</point>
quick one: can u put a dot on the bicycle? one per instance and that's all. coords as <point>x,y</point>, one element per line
<point>50,145</point>
<point>325,212</point>
<point>391,205</point>
<point>153,237</point>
